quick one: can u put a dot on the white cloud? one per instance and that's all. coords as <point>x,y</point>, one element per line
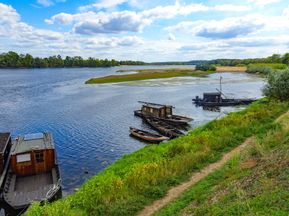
<point>220,29</point>
<point>102,4</point>
<point>171,37</point>
<point>113,23</point>
<point>8,14</point>
<point>263,3</point>
<point>45,3</point>
<point>129,21</point>
<point>62,18</point>
<point>124,21</point>
<point>232,8</point>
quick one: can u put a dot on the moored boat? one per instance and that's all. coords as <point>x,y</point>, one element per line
<point>147,136</point>
<point>215,99</point>
<point>161,112</point>
<point>163,127</point>
<point>33,172</point>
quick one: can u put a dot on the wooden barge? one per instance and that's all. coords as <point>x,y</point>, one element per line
<point>147,136</point>
<point>163,127</point>
<point>33,173</point>
<point>161,112</point>
<point>215,99</point>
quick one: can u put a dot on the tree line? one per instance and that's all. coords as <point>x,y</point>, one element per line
<point>15,60</point>
<point>275,58</point>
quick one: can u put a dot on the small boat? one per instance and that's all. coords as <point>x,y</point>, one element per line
<point>215,99</point>
<point>163,127</point>
<point>147,136</point>
<point>33,173</point>
<point>161,112</point>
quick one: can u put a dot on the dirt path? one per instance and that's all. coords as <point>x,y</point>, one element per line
<point>178,190</point>
<point>196,177</point>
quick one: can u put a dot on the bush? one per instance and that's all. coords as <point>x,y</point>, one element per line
<point>206,67</point>
<point>278,85</point>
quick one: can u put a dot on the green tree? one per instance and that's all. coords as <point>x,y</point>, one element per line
<point>278,85</point>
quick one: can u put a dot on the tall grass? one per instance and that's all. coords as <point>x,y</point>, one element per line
<point>141,177</point>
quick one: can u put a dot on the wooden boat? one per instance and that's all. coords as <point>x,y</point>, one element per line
<point>5,147</point>
<point>215,99</point>
<point>163,127</point>
<point>147,136</point>
<point>33,173</point>
<point>162,112</point>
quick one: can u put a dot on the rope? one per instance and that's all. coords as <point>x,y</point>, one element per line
<point>54,189</point>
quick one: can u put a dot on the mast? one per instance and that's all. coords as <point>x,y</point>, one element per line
<point>220,83</point>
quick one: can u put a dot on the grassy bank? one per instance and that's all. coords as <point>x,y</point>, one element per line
<point>141,177</point>
<point>253,183</point>
<point>147,74</point>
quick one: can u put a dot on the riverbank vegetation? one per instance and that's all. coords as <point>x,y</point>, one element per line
<point>254,182</point>
<point>275,59</point>
<point>14,60</point>
<point>278,85</point>
<point>206,67</point>
<point>146,175</point>
<point>148,74</point>
<point>265,68</point>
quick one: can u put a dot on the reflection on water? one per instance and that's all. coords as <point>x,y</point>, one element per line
<point>90,122</point>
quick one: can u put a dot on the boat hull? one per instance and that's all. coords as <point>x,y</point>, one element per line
<point>224,102</point>
<point>147,136</point>
<point>163,127</point>
<point>174,119</point>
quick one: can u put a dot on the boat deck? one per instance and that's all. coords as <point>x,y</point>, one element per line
<point>23,190</point>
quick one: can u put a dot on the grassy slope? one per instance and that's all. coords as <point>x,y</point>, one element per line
<point>253,183</point>
<point>147,74</point>
<point>141,177</point>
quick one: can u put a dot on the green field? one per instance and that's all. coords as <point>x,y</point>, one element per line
<point>147,74</point>
<point>139,178</point>
<point>252,183</point>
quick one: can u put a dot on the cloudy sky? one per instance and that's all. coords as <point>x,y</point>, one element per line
<point>155,30</point>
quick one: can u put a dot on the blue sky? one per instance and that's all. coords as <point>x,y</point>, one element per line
<point>159,30</point>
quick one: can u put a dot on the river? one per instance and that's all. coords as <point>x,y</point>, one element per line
<point>90,122</point>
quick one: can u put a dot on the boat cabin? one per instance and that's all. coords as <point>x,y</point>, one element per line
<point>157,110</point>
<point>32,154</point>
<point>5,146</point>
<point>212,97</point>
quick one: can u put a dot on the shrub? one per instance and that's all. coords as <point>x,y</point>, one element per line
<point>278,85</point>
<point>206,67</point>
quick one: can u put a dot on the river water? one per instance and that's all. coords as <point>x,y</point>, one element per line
<point>90,122</point>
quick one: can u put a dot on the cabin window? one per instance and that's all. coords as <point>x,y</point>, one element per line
<point>39,157</point>
<point>23,158</point>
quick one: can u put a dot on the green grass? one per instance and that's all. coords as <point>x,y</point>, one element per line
<point>148,74</point>
<point>146,175</point>
<point>253,183</point>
